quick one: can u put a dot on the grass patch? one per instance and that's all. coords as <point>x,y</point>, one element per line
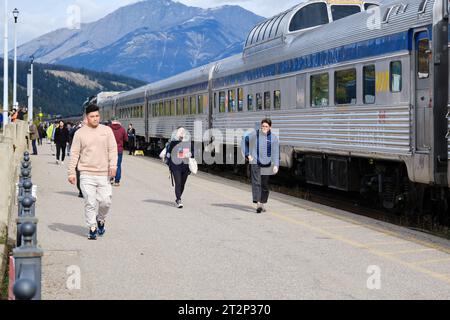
<point>4,283</point>
<point>4,286</point>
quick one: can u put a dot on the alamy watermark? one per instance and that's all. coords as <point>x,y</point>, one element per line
<point>230,147</point>
<point>73,21</point>
<point>74,278</point>
<point>374,280</point>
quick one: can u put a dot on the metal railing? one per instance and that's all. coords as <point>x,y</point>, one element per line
<point>27,256</point>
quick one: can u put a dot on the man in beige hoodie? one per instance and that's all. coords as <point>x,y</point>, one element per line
<point>94,150</point>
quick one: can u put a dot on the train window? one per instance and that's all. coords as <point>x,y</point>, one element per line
<point>161,108</point>
<point>193,106</point>
<point>166,108</point>
<point>200,104</point>
<point>369,84</point>
<point>267,100</point>
<point>386,15</point>
<point>222,101</point>
<point>231,101</point>
<point>215,100</point>
<point>240,100</point>
<point>396,76</point>
<point>424,59</point>
<point>345,86</point>
<point>178,107</point>
<point>259,101</point>
<point>342,11</point>
<point>320,90</point>
<point>172,108</point>
<point>368,6</point>
<point>309,16</point>
<point>423,6</point>
<point>185,106</point>
<point>250,102</point>
<point>277,99</point>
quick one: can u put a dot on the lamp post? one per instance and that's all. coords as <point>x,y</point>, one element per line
<point>5,69</point>
<point>30,91</point>
<point>16,15</point>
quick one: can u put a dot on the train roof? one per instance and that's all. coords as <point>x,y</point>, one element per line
<point>395,19</point>
<point>301,18</point>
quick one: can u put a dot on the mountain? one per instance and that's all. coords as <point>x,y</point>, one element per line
<point>62,90</point>
<point>148,40</point>
<point>157,55</point>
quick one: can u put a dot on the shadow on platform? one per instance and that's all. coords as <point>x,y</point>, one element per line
<point>67,193</point>
<point>76,230</point>
<point>234,207</point>
<point>161,202</point>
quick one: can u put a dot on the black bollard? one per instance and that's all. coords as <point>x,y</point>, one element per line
<point>28,265</point>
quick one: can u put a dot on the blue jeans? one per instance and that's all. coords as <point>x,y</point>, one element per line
<point>119,168</point>
<point>33,143</point>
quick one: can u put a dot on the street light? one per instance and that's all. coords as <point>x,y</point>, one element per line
<point>16,16</point>
<point>5,69</point>
<point>30,91</point>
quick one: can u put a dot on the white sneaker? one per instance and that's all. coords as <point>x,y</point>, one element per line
<point>57,162</point>
<point>179,204</point>
<point>62,162</point>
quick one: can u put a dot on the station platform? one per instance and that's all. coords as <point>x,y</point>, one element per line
<point>217,247</point>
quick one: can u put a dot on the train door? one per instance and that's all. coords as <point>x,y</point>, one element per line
<point>423,94</point>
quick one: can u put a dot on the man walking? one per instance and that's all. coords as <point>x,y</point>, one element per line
<point>94,150</point>
<point>121,137</point>
<point>34,135</point>
<point>261,149</point>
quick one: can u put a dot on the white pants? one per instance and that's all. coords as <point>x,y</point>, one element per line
<point>97,193</point>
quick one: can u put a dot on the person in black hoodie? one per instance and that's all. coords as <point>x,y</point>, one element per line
<point>61,140</point>
<point>178,153</point>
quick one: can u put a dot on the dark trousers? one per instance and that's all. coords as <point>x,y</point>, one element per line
<point>260,185</point>
<point>131,145</point>
<point>40,141</point>
<point>33,143</point>
<point>119,168</point>
<point>60,148</point>
<point>180,178</point>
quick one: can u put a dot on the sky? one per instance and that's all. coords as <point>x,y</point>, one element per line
<point>40,17</point>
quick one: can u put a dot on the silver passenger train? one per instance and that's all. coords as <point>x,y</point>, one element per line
<point>358,91</point>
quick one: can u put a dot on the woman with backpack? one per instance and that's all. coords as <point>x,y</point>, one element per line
<point>178,153</point>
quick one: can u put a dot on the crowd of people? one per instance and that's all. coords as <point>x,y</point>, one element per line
<point>96,155</point>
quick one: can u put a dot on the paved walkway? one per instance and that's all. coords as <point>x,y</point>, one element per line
<point>218,248</point>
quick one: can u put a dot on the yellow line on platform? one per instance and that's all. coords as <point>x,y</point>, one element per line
<point>384,243</point>
<point>342,227</point>
<point>410,251</point>
<point>431,261</point>
<point>356,244</point>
